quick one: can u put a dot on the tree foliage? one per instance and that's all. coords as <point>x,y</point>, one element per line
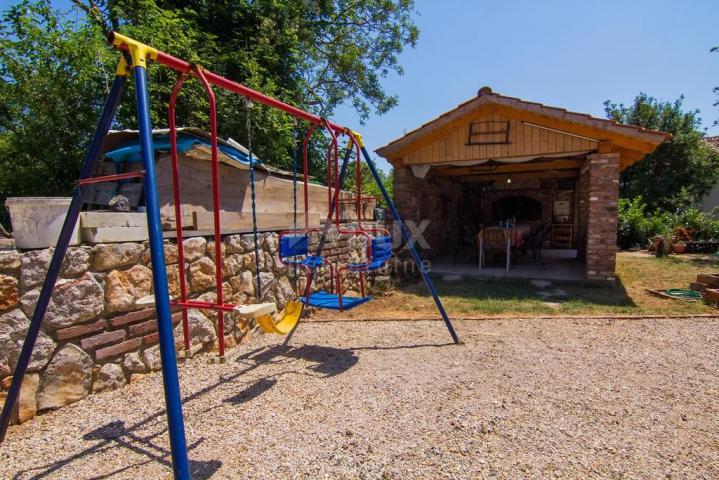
<point>52,83</point>
<point>679,171</point>
<point>368,184</point>
<point>55,71</point>
<point>314,55</point>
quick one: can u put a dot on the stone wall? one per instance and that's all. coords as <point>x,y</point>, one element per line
<point>94,337</point>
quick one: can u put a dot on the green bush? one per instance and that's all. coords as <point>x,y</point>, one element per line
<point>702,226</point>
<point>636,226</point>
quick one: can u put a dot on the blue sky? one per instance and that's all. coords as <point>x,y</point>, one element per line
<point>570,54</point>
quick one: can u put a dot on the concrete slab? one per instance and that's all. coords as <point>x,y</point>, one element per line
<point>561,265</point>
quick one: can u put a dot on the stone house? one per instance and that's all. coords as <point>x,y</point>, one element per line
<point>496,158</point>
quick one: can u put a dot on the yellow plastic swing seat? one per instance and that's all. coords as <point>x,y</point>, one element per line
<point>263,314</point>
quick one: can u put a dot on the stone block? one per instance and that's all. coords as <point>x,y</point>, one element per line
<point>202,275</point>
<point>103,339</point>
<point>76,262</point>
<point>194,248</point>
<point>9,294</point>
<point>210,251</point>
<point>9,261</point>
<point>80,330</point>
<point>243,283</point>
<point>711,295</point>
<point>238,244</point>
<point>118,349</point>
<point>170,254</point>
<point>133,363</point>
<point>34,267</point>
<point>710,279</point>
<point>132,317</point>
<point>124,287</point>
<point>27,401</point>
<point>115,255</point>
<point>110,377</point>
<point>202,330</point>
<point>73,301</point>
<point>13,328</point>
<point>67,379</point>
<point>173,280</point>
<point>233,264</point>
<point>150,340</point>
<point>143,328</point>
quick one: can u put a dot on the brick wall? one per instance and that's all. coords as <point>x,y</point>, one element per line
<point>582,212</point>
<point>603,193</point>
<point>431,200</point>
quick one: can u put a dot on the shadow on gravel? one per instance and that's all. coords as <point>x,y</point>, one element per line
<point>328,362</point>
<point>253,391</point>
<point>117,435</point>
<point>325,361</point>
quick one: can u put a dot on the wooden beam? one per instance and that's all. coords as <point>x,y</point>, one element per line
<point>520,176</point>
<point>627,158</point>
<point>243,220</point>
<point>605,146</point>
<point>562,164</point>
<point>113,219</point>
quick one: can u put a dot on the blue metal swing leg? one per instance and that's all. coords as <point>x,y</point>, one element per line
<point>73,212</point>
<point>173,399</point>
<point>411,247</point>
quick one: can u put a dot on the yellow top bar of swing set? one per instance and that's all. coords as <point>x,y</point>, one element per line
<point>139,52</point>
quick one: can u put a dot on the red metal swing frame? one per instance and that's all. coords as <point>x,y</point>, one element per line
<point>208,80</point>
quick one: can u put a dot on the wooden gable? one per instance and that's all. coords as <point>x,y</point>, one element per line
<point>491,126</point>
<point>486,135</point>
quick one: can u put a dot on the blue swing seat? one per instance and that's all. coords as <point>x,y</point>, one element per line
<point>381,253</point>
<point>324,299</point>
<point>299,246</point>
<point>312,261</point>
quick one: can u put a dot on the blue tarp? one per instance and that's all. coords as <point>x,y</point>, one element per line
<point>130,151</point>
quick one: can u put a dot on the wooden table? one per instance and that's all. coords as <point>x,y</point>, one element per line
<point>514,238</point>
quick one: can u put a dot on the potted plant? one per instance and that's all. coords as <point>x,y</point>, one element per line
<point>656,245</point>
<point>679,247</point>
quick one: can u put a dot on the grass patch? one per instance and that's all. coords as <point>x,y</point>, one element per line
<point>635,273</point>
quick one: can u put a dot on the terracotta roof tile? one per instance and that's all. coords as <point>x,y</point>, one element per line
<point>713,142</point>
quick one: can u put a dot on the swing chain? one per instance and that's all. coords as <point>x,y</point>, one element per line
<point>296,147</point>
<point>248,125</point>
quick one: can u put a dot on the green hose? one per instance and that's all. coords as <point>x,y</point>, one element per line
<point>683,293</point>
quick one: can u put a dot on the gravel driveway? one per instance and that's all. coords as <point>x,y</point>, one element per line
<point>560,398</point>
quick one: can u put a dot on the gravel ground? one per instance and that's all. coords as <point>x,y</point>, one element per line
<point>565,398</point>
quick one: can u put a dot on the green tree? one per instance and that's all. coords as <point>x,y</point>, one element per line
<point>682,169</point>
<point>369,185</point>
<point>53,77</point>
<point>55,71</point>
<point>315,55</point>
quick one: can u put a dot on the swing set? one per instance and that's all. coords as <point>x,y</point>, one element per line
<point>295,245</point>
